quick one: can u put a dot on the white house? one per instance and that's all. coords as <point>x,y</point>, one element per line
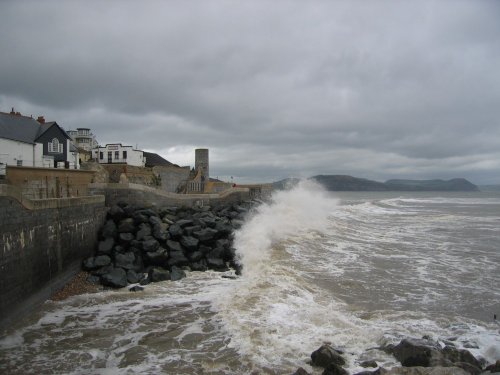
<point>26,142</point>
<point>117,153</point>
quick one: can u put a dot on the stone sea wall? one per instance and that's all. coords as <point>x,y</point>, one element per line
<point>42,243</point>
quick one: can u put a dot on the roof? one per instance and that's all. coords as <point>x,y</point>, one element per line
<point>18,128</point>
<point>24,129</point>
<point>152,160</point>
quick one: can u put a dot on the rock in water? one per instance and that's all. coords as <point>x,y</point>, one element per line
<point>136,288</point>
<point>176,274</point>
<point>159,274</point>
<point>117,278</point>
<point>334,369</point>
<point>326,355</point>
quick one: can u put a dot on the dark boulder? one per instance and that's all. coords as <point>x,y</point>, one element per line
<point>190,243</point>
<point>190,230</point>
<point>144,231</point>
<point>159,274</point>
<point>370,363</point>
<point>177,258</point>
<point>216,264</point>
<point>209,222</point>
<point>175,231</point>
<point>160,232</point>
<point>125,261</point>
<point>125,239</point>
<point>136,288</point>
<point>158,257</point>
<point>455,355</point>
<point>200,265</point>
<point>140,218</point>
<point>150,245</point>
<point>413,352</point>
<point>133,277</point>
<point>116,278</point>
<point>326,355</point>
<point>184,223</point>
<point>300,371</point>
<point>195,256</point>
<point>109,229</point>
<point>206,235</point>
<point>116,213</point>
<point>93,263</point>
<point>174,246</point>
<point>217,253</point>
<point>155,220</point>
<point>102,270</point>
<point>105,247</point>
<point>334,369</point>
<point>177,273</point>
<point>127,226</point>
<point>224,228</point>
<point>495,367</point>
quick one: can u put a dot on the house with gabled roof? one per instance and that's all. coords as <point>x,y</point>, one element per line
<point>25,141</point>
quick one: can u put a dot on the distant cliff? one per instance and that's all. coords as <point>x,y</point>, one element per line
<point>456,184</point>
<point>349,183</point>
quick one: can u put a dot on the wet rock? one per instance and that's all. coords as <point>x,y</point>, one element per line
<point>117,278</point>
<point>216,264</point>
<point>200,265</point>
<point>300,371</point>
<point>177,274</point>
<point>136,288</point>
<point>105,247</point>
<point>125,261</point>
<point>133,277</point>
<point>159,274</point>
<point>326,355</point>
<point>177,258</point>
<point>334,369</point>
<point>369,363</point>
<point>495,367</point>
<point>413,352</point>
<point>224,228</point>
<point>195,256</point>
<point>439,370</point>
<point>455,355</point>
<point>190,230</point>
<point>209,222</point>
<point>102,270</point>
<point>140,218</point>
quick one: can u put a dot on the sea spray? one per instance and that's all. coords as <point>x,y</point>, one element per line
<point>293,212</point>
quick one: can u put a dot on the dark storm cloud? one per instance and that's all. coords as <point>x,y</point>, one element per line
<point>377,89</point>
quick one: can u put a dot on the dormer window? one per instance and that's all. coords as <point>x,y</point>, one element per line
<point>55,146</point>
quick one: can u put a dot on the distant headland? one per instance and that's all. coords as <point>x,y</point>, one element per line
<point>349,183</point>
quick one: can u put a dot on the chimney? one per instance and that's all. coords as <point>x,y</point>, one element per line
<point>41,120</point>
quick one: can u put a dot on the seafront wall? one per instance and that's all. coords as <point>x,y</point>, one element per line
<point>145,196</point>
<point>42,244</point>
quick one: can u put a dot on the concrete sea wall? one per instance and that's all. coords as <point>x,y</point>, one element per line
<point>42,244</point>
<point>145,196</point>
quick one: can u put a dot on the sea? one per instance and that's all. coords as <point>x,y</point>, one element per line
<point>357,270</point>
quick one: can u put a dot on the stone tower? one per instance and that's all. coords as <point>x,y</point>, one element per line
<point>201,162</point>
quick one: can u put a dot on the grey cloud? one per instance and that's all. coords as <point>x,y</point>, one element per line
<point>371,89</point>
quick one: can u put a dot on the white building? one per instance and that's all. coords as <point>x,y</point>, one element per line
<point>26,142</point>
<point>83,138</point>
<point>117,153</point>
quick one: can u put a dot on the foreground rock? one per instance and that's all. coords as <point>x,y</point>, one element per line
<point>143,245</point>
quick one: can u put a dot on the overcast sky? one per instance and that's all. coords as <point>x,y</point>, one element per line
<point>374,89</point>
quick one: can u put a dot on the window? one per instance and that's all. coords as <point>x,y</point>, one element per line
<point>19,163</point>
<point>117,155</point>
<point>55,147</point>
<point>124,154</point>
<point>101,155</point>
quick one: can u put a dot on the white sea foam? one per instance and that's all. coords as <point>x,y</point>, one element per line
<point>293,212</point>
